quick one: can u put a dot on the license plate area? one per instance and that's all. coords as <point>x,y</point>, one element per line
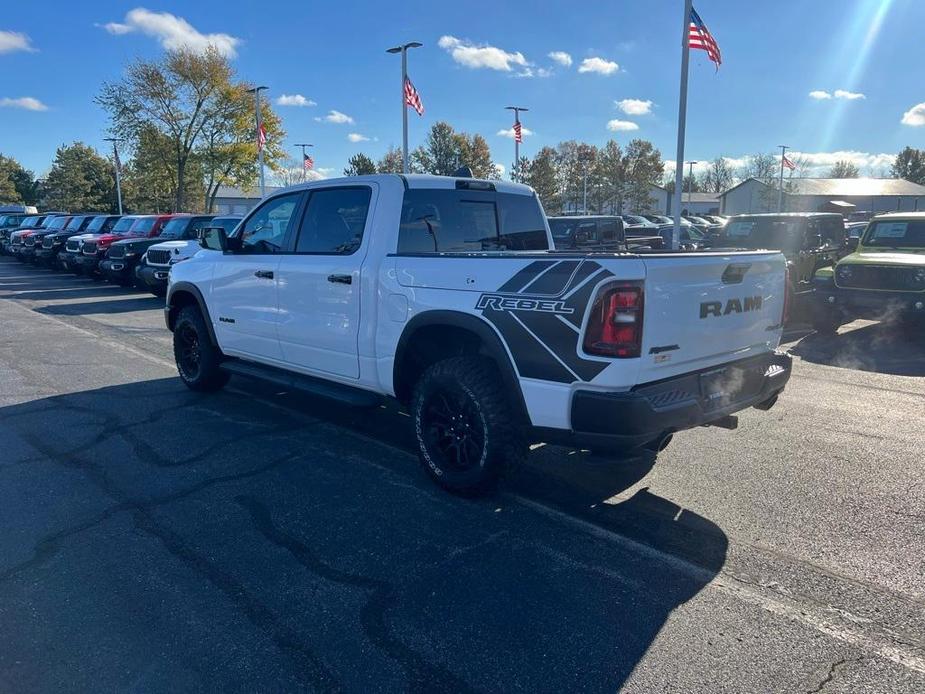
<point>727,385</point>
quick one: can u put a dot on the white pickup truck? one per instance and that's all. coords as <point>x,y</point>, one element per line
<point>443,293</point>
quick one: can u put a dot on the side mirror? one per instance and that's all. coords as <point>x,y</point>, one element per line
<point>852,243</point>
<point>214,239</point>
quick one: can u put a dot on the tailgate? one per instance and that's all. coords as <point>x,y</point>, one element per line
<point>706,309</point>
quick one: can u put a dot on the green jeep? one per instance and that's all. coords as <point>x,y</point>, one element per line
<point>883,278</point>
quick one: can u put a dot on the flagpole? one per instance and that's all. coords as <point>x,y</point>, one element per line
<point>516,172</point>
<point>403,49</point>
<point>682,122</point>
<point>263,187</point>
<point>115,154</point>
<point>780,190</point>
<point>303,146</point>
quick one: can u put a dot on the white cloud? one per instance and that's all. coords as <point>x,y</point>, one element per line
<point>915,116</point>
<point>336,117</point>
<point>819,162</point>
<point>501,169</point>
<point>819,95</point>
<point>26,102</point>
<point>635,107</point>
<point>357,137</point>
<point>294,100</point>
<point>11,41</point>
<point>617,125</point>
<point>510,132</point>
<point>561,57</point>
<point>173,32</point>
<point>598,65</point>
<point>850,96</point>
<point>475,56</point>
<point>531,72</point>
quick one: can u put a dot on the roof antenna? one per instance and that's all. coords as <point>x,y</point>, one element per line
<point>463,172</point>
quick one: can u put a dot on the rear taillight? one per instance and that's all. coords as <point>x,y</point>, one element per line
<point>615,324</point>
<point>785,315</point>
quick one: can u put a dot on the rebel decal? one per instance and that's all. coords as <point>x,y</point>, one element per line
<point>542,330</point>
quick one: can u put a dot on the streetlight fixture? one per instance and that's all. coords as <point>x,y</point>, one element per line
<point>256,92</point>
<point>403,49</point>
<point>118,165</point>
<point>303,145</point>
<point>516,110</point>
<point>690,183</point>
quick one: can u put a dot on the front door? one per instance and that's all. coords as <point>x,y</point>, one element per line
<point>245,297</point>
<point>320,284</point>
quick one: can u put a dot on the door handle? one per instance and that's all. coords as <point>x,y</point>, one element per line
<point>264,274</point>
<point>341,279</point>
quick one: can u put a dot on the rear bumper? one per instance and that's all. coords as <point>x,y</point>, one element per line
<point>624,421</point>
<point>867,303</point>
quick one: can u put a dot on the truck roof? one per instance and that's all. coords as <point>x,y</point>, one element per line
<point>900,215</point>
<point>419,181</point>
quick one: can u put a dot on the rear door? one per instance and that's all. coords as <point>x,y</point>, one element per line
<point>319,284</point>
<point>707,309</point>
<point>244,300</point>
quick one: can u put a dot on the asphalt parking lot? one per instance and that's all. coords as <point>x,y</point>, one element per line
<point>156,539</point>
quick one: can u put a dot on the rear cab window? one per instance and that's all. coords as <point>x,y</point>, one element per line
<point>470,221</point>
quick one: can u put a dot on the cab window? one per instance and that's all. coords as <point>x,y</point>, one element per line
<point>265,230</point>
<point>334,221</point>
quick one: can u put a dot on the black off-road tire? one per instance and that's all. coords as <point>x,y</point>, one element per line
<point>198,360</point>
<point>467,433</point>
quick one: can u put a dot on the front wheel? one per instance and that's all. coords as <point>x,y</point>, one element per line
<point>198,360</point>
<point>465,427</point>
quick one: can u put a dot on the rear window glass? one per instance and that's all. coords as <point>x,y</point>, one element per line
<point>460,221</point>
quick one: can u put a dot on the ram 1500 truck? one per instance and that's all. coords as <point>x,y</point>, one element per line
<point>444,293</point>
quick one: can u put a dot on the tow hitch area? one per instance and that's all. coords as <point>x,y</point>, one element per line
<point>730,421</point>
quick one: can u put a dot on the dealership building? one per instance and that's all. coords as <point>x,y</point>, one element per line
<point>843,195</point>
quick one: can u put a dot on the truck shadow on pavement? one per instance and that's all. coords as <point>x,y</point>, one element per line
<point>886,347</point>
<point>257,540</point>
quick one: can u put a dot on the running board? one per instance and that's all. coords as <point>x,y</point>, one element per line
<point>296,381</point>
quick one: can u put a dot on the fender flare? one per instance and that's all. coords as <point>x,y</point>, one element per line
<point>170,309</point>
<point>492,345</point>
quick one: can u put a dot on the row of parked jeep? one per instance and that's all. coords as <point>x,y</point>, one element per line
<point>126,250</point>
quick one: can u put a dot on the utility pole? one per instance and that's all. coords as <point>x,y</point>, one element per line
<point>584,191</point>
<point>118,165</point>
<point>517,139</point>
<point>690,183</point>
<point>403,49</point>
<point>303,145</point>
<point>260,145</point>
<point>780,190</point>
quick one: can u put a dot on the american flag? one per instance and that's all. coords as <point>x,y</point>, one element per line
<point>518,132</point>
<point>701,38</point>
<point>307,162</point>
<point>261,137</point>
<point>412,98</point>
<point>789,164</point>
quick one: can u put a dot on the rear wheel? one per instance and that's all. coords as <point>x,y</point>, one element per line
<point>198,360</point>
<point>465,427</point>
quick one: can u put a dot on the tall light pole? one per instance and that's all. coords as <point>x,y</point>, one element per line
<point>780,190</point>
<point>118,165</point>
<point>303,145</point>
<point>256,92</point>
<point>403,49</point>
<point>516,110</point>
<point>690,183</point>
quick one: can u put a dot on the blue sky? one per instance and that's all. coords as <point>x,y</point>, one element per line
<point>775,54</point>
